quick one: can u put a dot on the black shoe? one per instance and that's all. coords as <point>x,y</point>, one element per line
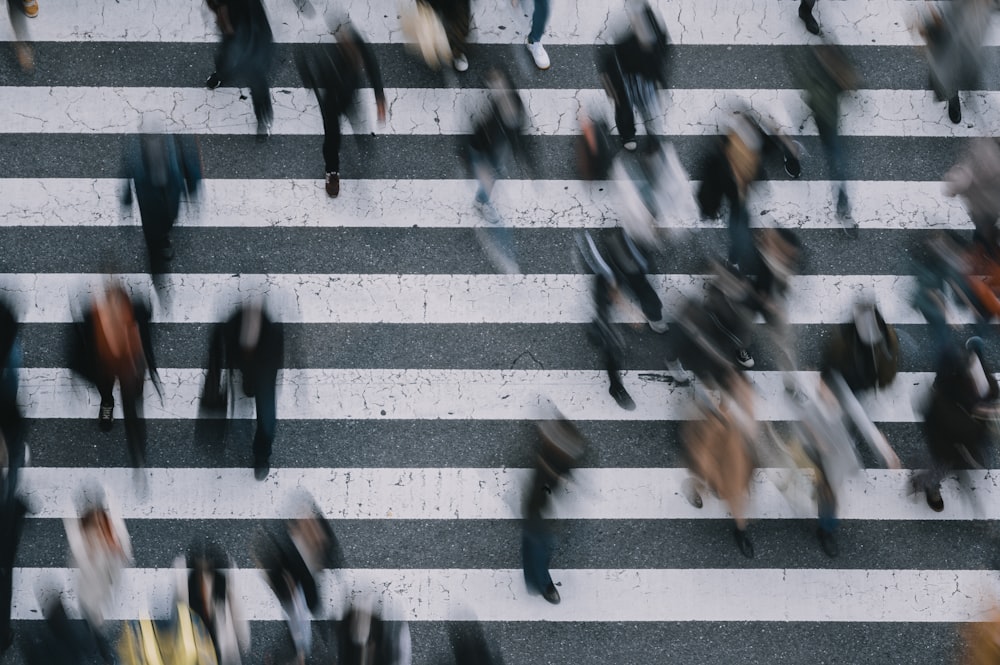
<point>744,358</point>
<point>260,470</point>
<point>167,253</point>
<point>263,130</point>
<point>793,167</point>
<point>213,81</point>
<point>934,499</point>
<point>807,18</point>
<point>551,594</point>
<point>744,543</point>
<point>954,110</point>
<point>828,542</point>
<point>622,397</point>
<point>105,417</point>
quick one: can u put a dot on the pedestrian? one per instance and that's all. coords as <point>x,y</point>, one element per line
<point>560,448</point>
<point>12,512</point>
<point>539,19</point>
<point>778,257</point>
<point>826,75</point>
<point>245,54</point>
<point>162,169</point>
<point>976,179</point>
<point>719,454</point>
<point>18,10</point>
<point>806,14</point>
<point>634,70</point>
<point>728,173</point>
<point>334,72</point>
<point>959,418</point>
<point>253,344</point>
<point>954,36</point>
<point>208,590</point>
<point>864,351</point>
<point>456,17</point>
<point>365,638</point>
<point>113,343</point>
<point>12,422</point>
<point>100,547</point>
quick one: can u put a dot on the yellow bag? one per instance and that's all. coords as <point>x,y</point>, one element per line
<point>184,642</point>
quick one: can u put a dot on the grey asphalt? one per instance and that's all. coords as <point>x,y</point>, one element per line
<point>481,543</point>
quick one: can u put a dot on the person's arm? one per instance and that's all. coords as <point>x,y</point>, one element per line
<point>374,75</point>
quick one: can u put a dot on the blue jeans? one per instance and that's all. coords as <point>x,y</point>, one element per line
<point>265,396</point>
<point>539,18</point>
<point>536,552</point>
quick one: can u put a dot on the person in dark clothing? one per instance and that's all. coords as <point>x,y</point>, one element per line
<point>955,33</point>
<point>561,446</point>
<point>865,351</point>
<point>113,343</point>
<point>245,54</point>
<point>255,345</point>
<point>456,16</point>
<point>634,69</point>
<point>806,14</point>
<point>469,645</point>
<point>12,423</point>
<point>965,399</point>
<point>67,642</point>
<point>162,168</point>
<point>333,71</point>
<point>365,638</point>
<point>12,512</point>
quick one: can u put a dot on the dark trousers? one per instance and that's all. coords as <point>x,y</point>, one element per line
<point>253,72</point>
<point>833,145</point>
<point>156,231</point>
<point>536,554</point>
<point>539,18</point>
<point>265,398</point>
<point>332,136</point>
<point>807,5</point>
<point>135,424</point>
<point>741,248</point>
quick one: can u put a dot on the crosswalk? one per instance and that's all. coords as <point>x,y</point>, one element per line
<point>415,372</point>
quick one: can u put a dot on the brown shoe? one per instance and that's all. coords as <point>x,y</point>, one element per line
<point>30,8</point>
<point>332,184</point>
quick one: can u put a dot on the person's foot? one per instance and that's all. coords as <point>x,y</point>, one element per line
<point>460,62</point>
<point>660,326</point>
<point>630,145</point>
<point>828,542</point>
<point>167,253</point>
<point>934,499</point>
<point>260,469</point>
<point>551,594</point>
<point>806,15</point>
<point>622,397</point>
<point>30,8</point>
<point>793,167</point>
<point>105,416</point>
<point>743,542</point>
<point>539,55</point>
<point>263,129</point>
<point>488,211</point>
<point>213,81</point>
<point>25,57</point>
<point>744,358</point>
<point>689,487</point>
<point>333,184</point>
<point>954,110</point>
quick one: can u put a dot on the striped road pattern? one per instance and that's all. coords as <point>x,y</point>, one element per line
<point>414,372</point>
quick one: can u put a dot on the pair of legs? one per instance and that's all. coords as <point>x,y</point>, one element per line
<point>251,69</point>
<point>833,146</point>
<point>135,425</point>
<point>536,555</point>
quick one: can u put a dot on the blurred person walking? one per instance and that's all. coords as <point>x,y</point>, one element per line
<point>634,70</point>
<point>456,17</point>
<point>253,344</point>
<point>560,448</point>
<point>365,638</point>
<point>162,169</point>
<point>539,20</point>
<point>17,10</point>
<point>12,513</point>
<point>12,421</point>
<point>333,72</point>
<point>113,343</point>
<point>205,587</point>
<point>955,33</point>
<point>976,179</point>
<point>825,76</point>
<point>245,54</point>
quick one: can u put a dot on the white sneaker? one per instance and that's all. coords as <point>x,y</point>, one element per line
<point>631,145</point>
<point>539,55</point>
<point>461,63</point>
<point>660,326</point>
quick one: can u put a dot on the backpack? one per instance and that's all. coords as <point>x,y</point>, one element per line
<point>117,341</point>
<point>862,366</point>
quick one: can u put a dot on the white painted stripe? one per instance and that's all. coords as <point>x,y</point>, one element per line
<point>384,394</point>
<point>449,111</point>
<point>435,298</point>
<point>860,22</point>
<point>588,595</point>
<point>484,494</point>
<point>284,203</point>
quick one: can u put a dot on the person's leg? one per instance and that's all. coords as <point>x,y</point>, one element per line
<point>649,301</point>
<point>260,93</point>
<point>805,13</point>
<point>267,421</point>
<point>105,387</point>
<point>331,148</point>
<point>135,424</point>
<point>740,238</point>
<point>539,19</point>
